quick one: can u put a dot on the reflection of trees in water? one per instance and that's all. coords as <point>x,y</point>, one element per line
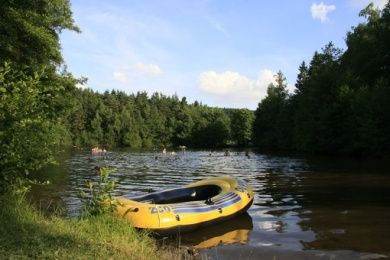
<point>47,198</point>
<point>278,188</point>
<point>280,226</point>
<point>279,194</point>
<point>346,211</point>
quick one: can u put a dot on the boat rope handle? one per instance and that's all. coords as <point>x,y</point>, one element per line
<point>131,210</point>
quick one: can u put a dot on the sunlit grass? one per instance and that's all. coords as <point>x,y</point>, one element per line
<point>27,233</point>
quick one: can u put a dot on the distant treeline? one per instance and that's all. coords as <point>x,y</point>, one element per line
<point>341,104</point>
<point>116,119</point>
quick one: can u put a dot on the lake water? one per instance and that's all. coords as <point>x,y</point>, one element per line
<point>318,208</point>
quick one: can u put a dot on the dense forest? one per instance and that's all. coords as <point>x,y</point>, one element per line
<point>116,119</point>
<point>340,105</point>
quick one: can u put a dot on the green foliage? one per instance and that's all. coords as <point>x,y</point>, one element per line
<point>99,200</point>
<point>34,91</point>
<point>241,126</point>
<point>28,137</point>
<point>29,31</point>
<point>211,127</point>
<point>119,120</point>
<point>270,127</point>
<point>18,187</point>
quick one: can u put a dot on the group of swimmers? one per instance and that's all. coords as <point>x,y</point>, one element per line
<point>164,151</point>
<point>97,150</point>
<point>227,153</point>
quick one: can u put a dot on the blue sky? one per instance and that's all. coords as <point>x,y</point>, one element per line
<point>220,52</point>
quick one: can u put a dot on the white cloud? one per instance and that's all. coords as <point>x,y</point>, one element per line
<point>136,71</point>
<point>147,69</point>
<point>120,76</point>
<point>363,3</point>
<point>321,10</point>
<point>235,86</point>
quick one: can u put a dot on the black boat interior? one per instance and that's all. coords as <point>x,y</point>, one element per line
<point>204,192</point>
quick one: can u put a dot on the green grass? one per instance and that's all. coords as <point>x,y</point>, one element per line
<point>26,233</point>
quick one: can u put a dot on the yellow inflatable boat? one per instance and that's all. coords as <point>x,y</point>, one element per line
<point>182,209</point>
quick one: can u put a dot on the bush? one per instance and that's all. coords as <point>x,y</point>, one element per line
<point>98,200</point>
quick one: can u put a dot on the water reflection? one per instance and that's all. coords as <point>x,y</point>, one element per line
<point>339,209</point>
<point>347,211</point>
<point>236,230</point>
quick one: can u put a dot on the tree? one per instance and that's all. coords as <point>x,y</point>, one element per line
<point>270,128</point>
<point>211,127</point>
<point>34,89</point>
<point>30,31</point>
<point>27,137</point>
<point>366,65</point>
<point>242,124</point>
<point>301,78</point>
<point>316,111</point>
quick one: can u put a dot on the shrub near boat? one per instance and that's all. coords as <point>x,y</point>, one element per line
<point>182,209</point>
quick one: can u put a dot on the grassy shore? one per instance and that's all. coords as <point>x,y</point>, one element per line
<point>26,233</point>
